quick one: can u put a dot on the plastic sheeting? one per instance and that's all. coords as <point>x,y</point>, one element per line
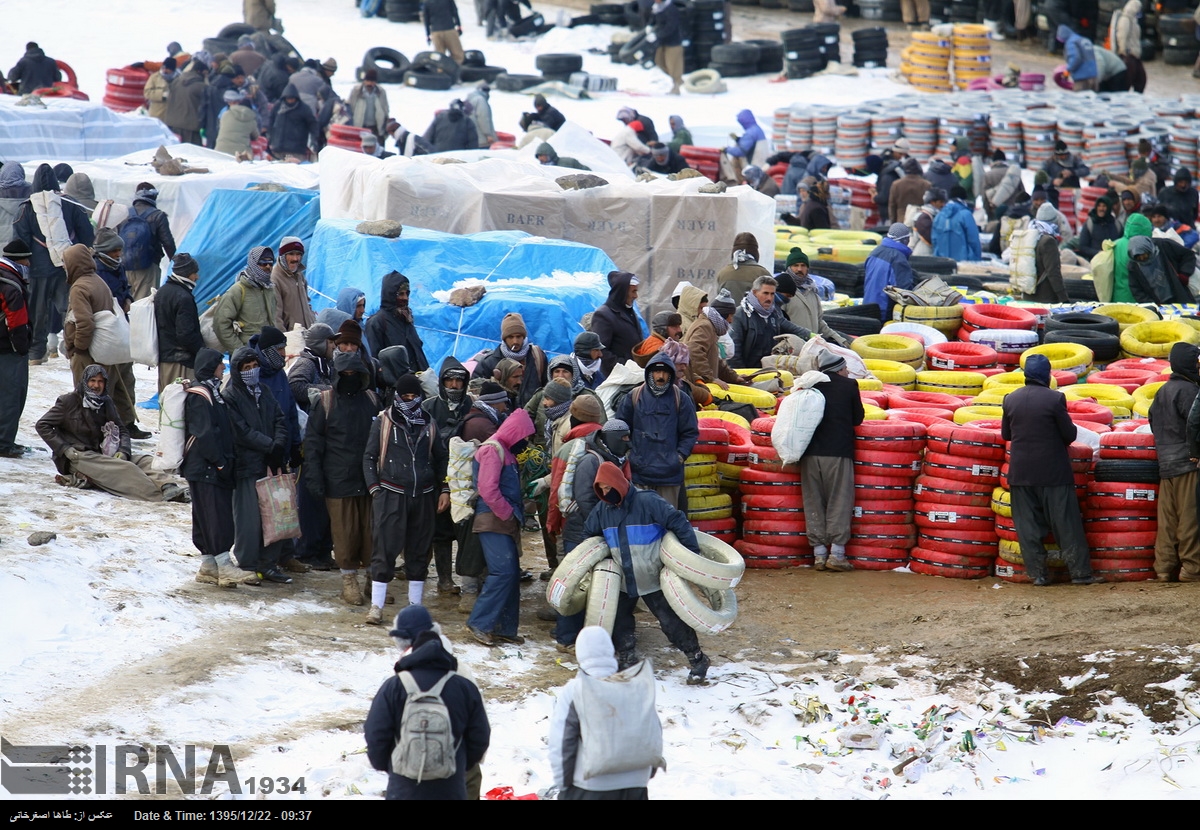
<point>234,221</point>
<point>551,283</point>
<point>181,197</point>
<point>70,130</point>
<point>662,231</point>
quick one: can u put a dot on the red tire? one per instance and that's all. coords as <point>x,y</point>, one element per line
<point>977,543</point>
<point>879,399</point>
<point>1089,412</point>
<point>760,431</point>
<point>868,558</point>
<point>920,566</point>
<point>715,525</point>
<point>952,518</point>
<point>1118,521</point>
<point>1123,570</point>
<point>1012,572</point>
<point>883,536</point>
<point>956,467</point>
<point>995,316</point>
<point>766,556</point>
<point>925,415</point>
<point>759,482</point>
<point>1127,379</point>
<point>1137,499</point>
<point>954,355</point>
<point>940,400</point>
<point>903,465</point>
<point>1128,445</point>
<point>964,441</point>
<point>1152,365</point>
<point>881,488</point>
<point>764,459</point>
<point>1129,540</point>
<point>778,539</point>
<point>890,436</point>
<point>951,491</point>
<point>1131,425</point>
<point>883,512</point>
<point>737,434</point>
<point>772,502</point>
<point>954,560</point>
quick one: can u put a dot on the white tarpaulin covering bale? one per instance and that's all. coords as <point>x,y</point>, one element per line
<point>662,231</point>
<point>69,130</point>
<point>181,197</point>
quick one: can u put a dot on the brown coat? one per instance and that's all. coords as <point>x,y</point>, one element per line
<point>70,424</point>
<point>291,298</point>
<point>88,294</point>
<point>155,92</point>
<point>907,190</point>
<point>705,363</point>
<point>239,127</point>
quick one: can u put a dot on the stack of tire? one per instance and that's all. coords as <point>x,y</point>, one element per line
<point>887,458</point>
<point>957,535</point>
<point>706,513</point>
<point>731,445</point>
<point>431,70</point>
<point>925,63</point>
<point>773,528</point>
<point>707,160</point>
<point>1009,330</point>
<point>870,47</point>
<point>347,137</point>
<point>829,34</point>
<point>402,11</point>
<point>610,14</point>
<point>734,60</point>
<point>389,65</point>
<point>1068,361</point>
<point>699,587</point>
<point>1121,519</point>
<point>802,52</point>
<point>946,319</point>
<point>708,30</point>
<point>558,67</point>
<point>972,54</point>
<point>475,68</point>
<point>123,88</point>
<point>1178,34</point>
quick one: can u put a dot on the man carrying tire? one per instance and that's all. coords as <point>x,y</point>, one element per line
<point>443,28</point>
<point>1039,432</point>
<point>633,523</point>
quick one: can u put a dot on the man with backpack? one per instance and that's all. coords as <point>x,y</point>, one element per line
<point>447,410</point>
<point>606,722</point>
<point>427,725</point>
<point>487,412</point>
<point>662,422</point>
<point>147,235</point>
<point>405,471</point>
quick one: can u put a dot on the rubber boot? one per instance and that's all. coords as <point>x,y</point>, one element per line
<point>699,664</point>
<point>208,573</point>
<point>351,593</point>
<point>230,574</point>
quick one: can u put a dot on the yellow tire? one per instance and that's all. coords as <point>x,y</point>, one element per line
<point>1156,339</point>
<point>978,412</point>
<point>1010,551</point>
<point>731,417</point>
<point>952,383</point>
<point>946,319</point>
<point>1127,314</point>
<point>993,395</point>
<point>842,237</point>
<point>1146,393</point>
<point>706,508</point>
<point>891,372</point>
<point>1011,379</point>
<point>1113,397</point>
<point>869,384</point>
<point>1002,502</point>
<point>1065,357</point>
<point>873,413</point>
<point>888,347</point>
<point>699,467</point>
<point>758,398</point>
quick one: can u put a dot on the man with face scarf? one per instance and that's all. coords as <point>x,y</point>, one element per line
<point>90,445</point>
<point>515,346</point>
<point>208,463</point>
<point>270,345</point>
<point>1159,269</point>
<point>616,323</point>
<point>393,325</point>
<point>249,304</point>
<point>1039,431</point>
<point>260,439</point>
<point>405,471</point>
<point>662,420</point>
<point>633,522</point>
<point>447,411</point>
<point>1100,225</point>
<point>334,444</point>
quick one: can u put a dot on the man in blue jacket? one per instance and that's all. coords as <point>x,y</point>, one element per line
<point>955,233</point>
<point>888,265</point>
<point>633,522</point>
<point>1081,59</point>
<point>663,427</point>
<point>741,153</point>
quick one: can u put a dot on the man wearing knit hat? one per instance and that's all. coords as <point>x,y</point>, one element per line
<point>799,298</point>
<point>827,467</point>
<point>664,326</point>
<point>514,344</point>
<point>248,304</point>
<point>662,420</point>
<point>705,364</point>
<point>405,469</point>
<point>291,288</point>
<point>888,265</point>
<point>1039,431</point>
<point>178,322</point>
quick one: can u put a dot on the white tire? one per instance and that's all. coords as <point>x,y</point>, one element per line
<point>707,610</point>
<point>604,594</point>
<point>567,590</point>
<point>717,565</point>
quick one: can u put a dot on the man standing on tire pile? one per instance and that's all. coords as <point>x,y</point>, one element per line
<point>827,467</point>
<point>633,522</point>
<point>1039,431</point>
<point>1177,547</point>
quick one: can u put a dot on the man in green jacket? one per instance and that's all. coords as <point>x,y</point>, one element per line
<point>249,304</point>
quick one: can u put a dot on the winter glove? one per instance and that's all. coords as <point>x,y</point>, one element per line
<point>537,487</point>
<point>297,457</point>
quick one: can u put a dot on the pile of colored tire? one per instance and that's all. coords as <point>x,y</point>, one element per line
<point>887,458</point>
<point>1121,519</point>
<point>925,62</point>
<point>772,508</point>
<point>853,140</point>
<point>802,52</point>
<point>347,136</point>
<point>953,502</point>
<point>707,160</point>
<point>972,54</point>
<point>1008,330</point>
<point>946,319</point>
<point>799,130</point>
<point>709,509</point>
<point>1038,135</point>
<point>727,444</point>
<point>123,88</point>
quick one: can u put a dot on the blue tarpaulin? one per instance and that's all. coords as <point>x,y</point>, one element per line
<point>433,261</point>
<point>234,221</point>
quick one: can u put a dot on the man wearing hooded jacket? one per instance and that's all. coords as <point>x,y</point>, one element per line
<point>515,345</point>
<point>1177,548</point>
<point>48,225</point>
<point>447,411</point>
<point>616,322</point>
<point>393,325</point>
<point>177,321</point>
<point>663,426</point>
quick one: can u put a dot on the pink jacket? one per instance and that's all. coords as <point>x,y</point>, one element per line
<point>515,428</point>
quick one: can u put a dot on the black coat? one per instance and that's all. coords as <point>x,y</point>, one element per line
<point>1039,430</point>
<point>26,228</point>
<point>209,452</point>
<point>260,434</point>
<point>413,460</point>
<point>162,241</point>
<point>550,116</point>
<point>293,126</point>
<point>533,379</point>
<point>34,71</point>
<point>668,29</point>
<point>334,444</point>
<point>616,325</point>
<point>387,328</point>
<point>178,321</point>
<point>438,409</point>
<point>440,16</point>
<point>273,77</point>
<point>834,436</point>
<point>428,662</point>
<point>754,335</point>
<point>1169,413</point>
<point>452,130</point>
<point>1180,206</point>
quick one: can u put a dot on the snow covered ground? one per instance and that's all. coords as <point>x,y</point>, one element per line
<point>107,639</point>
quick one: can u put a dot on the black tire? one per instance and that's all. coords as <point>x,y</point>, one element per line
<point>515,83</point>
<point>1179,57</point>
<point>606,8</point>
<point>1134,471</point>
<point>940,265</point>
<point>473,57</point>
<point>394,64</point>
<point>853,325</point>
<point>636,50</point>
<point>474,74</point>
<point>770,55</point>
<point>436,62</point>
<point>559,64</point>
<point>235,30</point>
<point>860,310</point>
<point>1080,289</point>
<point>847,277</point>
<point>1176,24</point>
<point>584,20</point>
<point>428,80</point>
<point>746,53</point>
<point>734,70</point>
<point>1105,347</point>
<point>1082,321</point>
<point>869,33</point>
